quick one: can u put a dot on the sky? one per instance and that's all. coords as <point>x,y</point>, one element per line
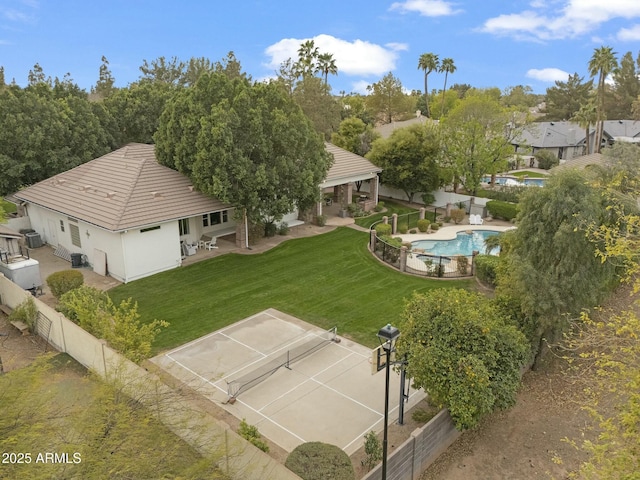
<point>493,43</point>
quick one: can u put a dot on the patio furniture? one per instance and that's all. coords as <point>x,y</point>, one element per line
<point>210,245</point>
<point>205,241</point>
<point>475,220</point>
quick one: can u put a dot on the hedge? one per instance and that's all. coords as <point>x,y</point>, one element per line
<point>485,266</point>
<point>505,210</point>
<point>64,281</point>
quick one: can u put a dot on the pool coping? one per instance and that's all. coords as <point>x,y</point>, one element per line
<point>450,232</point>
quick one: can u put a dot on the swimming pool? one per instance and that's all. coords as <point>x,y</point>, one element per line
<point>515,181</point>
<point>464,244</point>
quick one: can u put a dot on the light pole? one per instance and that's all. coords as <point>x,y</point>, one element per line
<point>388,336</point>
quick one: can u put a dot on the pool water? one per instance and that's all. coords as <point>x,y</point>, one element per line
<point>515,181</point>
<point>464,244</point>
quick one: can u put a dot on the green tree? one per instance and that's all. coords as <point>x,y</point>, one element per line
<point>355,135</point>
<point>104,85</point>
<point>585,117</point>
<point>386,98</point>
<point>550,267</point>
<point>246,144</point>
<point>409,159</point>
<point>307,64</point>
<point>162,70</point>
<point>478,134</point>
<point>520,97</point>
<point>327,65</point>
<point>546,159</point>
<point>626,89</point>
<point>601,64</point>
<point>462,351</point>
<point>428,62</point>
<point>312,96</point>
<point>565,98</point>
<point>447,66</point>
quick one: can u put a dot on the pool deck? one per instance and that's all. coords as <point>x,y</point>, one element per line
<point>450,232</point>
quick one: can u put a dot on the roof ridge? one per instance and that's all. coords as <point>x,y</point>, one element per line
<point>134,183</point>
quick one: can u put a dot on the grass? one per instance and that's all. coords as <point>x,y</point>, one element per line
<point>392,207</point>
<point>8,207</point>
<point>328,280</point>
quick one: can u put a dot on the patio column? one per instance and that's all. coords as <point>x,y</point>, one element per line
<point>349,193</point>
<point>373,188</point>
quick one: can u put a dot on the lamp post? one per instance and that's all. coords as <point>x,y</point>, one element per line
<point>388,336</point>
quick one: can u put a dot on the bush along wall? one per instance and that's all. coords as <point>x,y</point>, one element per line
<point>504,210</point>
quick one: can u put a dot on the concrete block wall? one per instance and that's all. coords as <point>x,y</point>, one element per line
<point>415,455</point>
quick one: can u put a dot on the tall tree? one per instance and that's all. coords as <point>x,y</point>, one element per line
<point>386,98</point>
<point>327,65</point>
<point>409,159</point>
<point>354,135</point>
<point>162,70</point>
<point>478,133</point>
<point>602,63</point>
<point>447,67</point>
<point>311,94</point>
<point>585,117</point>
<point>626,89</point>
<point>104,85</point>
<point>307,59</point>
<point>565,98</point>
<point>428,62</point>
<point>246,144</point>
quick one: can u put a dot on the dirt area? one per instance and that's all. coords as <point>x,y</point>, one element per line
<point>17,350</point>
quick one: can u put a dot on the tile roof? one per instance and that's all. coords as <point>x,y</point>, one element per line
<point>581,162</point>
<point>563,134</point>
<point>348,165</point>
<point>124,189</point>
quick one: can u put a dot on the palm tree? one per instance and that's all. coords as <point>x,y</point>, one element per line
<point>602,63</point>
<point>585,117</point>
<point>447,67</point>
<point>428,62</point>
<point>327,65</point>
<point>307,57</point>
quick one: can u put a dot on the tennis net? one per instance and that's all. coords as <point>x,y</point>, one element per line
<point>285,359</point>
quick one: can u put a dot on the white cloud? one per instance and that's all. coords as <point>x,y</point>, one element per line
<point>397,47</point>
<point>629,34</point>
<point>358,57</point>
<point>426,8</point>
<point>360,87</point>
<point>562,19</point>
<point>548,74</point>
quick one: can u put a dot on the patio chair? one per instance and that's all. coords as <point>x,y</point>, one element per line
<point>210,245</point>
<point>204,241</point>
<point>475,220</point>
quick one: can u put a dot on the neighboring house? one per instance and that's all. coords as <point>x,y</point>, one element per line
<point>127,213</point>
<point>387,129</point>
<point>567,140</point>
<point>131,216</point>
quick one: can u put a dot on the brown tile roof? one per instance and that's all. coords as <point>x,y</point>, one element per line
<point>348,165</point>
<point>581,162</point>
<point>123,189</point>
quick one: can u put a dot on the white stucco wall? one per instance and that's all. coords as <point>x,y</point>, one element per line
<point>153,251</point>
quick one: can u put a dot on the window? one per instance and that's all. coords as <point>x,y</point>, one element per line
<point>75,235</point>
<point>183,224</point>
<point>149,229</point>
<point>215,218</point>
<point>62,225</point>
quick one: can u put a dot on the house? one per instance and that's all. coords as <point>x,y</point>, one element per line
<point>127,213</point>
<point>567,140</point>
<point>132,217</point>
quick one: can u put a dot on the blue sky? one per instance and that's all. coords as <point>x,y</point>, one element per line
<point>494,43</point>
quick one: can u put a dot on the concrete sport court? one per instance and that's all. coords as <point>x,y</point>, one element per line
<point>330,395</point>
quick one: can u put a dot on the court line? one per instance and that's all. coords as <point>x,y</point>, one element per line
<point>244,345</point>
<point>190,371</point>
<point>269,419</point>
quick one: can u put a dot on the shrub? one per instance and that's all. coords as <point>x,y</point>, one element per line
<point>372,450</point>
<point>506,211</point>
<point>283,229</point>
<point>428,198</point>
<point>446,219</point>
<point>546,159</point>
<point>270,229</point>
<point>26,312</point>
<point>457,215</point>
<point>251,434</point>
<point>320,461</point>
<point>383,229</point>
<point>321,220</point>
<point>486,266</point>
<point>355,210</point>
<point>63,281</point>
<point>435,226</point>
<point>423,225</point>
<point>403,228</point>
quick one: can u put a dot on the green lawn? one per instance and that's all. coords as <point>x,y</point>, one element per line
<point>328,280</point>
<point>526,173</point>
<point>8,207</point>
<point>392,207</point>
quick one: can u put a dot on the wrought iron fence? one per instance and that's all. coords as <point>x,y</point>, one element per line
<point>387,253</point>
<point>437,266</point>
